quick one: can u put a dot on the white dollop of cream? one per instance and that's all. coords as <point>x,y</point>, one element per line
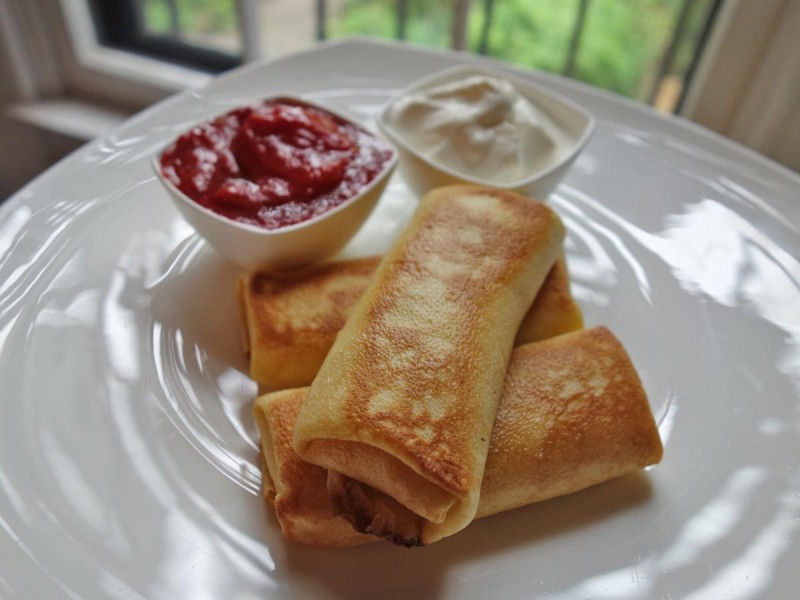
<point>479,126</point>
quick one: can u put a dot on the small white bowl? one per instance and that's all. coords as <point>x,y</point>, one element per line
<point>252,247</point>
<point>422,174</point>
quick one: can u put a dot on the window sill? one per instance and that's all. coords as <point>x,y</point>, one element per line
<point>74,118</point>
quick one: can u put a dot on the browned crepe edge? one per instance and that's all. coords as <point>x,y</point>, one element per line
<point>590,436</point>
<point>296,489</point>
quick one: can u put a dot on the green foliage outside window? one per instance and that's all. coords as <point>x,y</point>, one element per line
<point>199,17</point>
<point>619,49</point>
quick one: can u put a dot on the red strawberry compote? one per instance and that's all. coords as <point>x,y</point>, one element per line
<point>274,164</point>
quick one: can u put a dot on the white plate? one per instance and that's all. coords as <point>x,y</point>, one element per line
<point>128,460</point>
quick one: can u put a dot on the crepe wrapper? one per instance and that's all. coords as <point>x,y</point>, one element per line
<point>572,414</point>
<point>406,398</point>
<point>291,318</point>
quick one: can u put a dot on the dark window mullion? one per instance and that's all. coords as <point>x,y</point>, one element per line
<point>174,18</point>
<point>700,46</point>
<point>488,11</point>
<point>114,20</point>
<point>668,56</point>
<point>575,38</point>
<point>321,16</point>
<point>181,53</point>
<point>401,10</point>
<point>119,25</point>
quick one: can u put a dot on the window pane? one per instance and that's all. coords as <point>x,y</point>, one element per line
<point>622,44</point>
<point>206,23</point>
<point>529,33</point>
<point>287,25</point>
<point>668,90</point>
<point>418,21</point>
<point>639,49</point>
<point>156,17</point>
<point>643,50</point>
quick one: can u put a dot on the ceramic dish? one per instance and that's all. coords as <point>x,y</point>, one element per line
<point>253,247</point>
<point>128,459</point>
<point>423,173</point>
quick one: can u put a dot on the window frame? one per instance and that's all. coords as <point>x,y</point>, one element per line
<point>54,51</point>
<point>111,74</point>
<point>118,25</point>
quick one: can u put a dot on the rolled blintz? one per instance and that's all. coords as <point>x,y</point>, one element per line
<point>291,318</point>
<point>573,413</point>
<point>297,489</point>
<point>554,310</point>
<point>406,398</point>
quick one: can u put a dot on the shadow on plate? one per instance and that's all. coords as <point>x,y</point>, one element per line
<point>384,571</point>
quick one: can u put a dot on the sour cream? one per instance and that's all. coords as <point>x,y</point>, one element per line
<point>480,126</point>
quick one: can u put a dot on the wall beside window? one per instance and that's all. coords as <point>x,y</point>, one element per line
<point>748,88</point>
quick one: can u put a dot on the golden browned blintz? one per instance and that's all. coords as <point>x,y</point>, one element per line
<point>407,396</point>
<point>554,311</point>
<point>291,318</point>
<point>295,488</point>
<point>573,413</point>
